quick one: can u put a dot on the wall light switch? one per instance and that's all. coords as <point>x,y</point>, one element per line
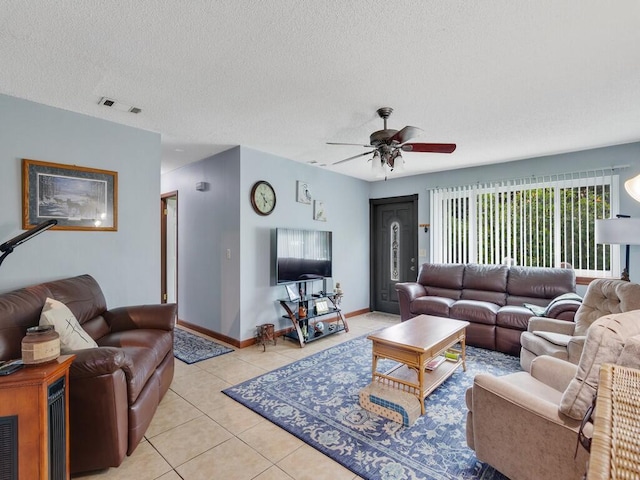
<point>229,253</point>
<point>422,252</point>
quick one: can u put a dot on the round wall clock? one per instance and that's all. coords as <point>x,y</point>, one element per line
<point>263,198</point>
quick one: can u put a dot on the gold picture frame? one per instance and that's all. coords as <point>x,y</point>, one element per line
<point>80,198</point>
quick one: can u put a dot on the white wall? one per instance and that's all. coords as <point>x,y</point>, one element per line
<point>126,263</point>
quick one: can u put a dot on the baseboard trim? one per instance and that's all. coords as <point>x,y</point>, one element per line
<point>250,341</point>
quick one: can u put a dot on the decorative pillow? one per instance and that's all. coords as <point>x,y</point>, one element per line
<point>605,340</point>
<point>72,335</point>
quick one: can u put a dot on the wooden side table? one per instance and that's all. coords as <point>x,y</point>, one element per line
<point>34,421</point>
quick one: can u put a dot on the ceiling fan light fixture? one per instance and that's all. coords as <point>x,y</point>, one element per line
<point>377,165</point>
<point>398,161</point>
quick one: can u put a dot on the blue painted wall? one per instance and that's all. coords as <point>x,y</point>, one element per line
<point>601,158</point>
<point>126,263</point>
<point>231,296</point>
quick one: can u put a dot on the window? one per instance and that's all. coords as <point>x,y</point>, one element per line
<point>539,222</point>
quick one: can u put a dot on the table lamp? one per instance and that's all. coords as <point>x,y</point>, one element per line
<point>619,231</point>
<point>632,186</point>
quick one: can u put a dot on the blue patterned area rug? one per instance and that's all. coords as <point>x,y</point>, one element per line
<point>191,348</point>
<point>316,399</point>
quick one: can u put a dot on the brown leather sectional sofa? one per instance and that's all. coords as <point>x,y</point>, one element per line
<point>491,297</point>
<point>115,389</point>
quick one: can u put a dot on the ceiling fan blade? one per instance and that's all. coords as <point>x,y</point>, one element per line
<point>355,156</point>
<point>429,147</point>
<point>406,134</point>
<point>354,144</point>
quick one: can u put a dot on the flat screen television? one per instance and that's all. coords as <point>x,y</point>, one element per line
<point>302,255</point>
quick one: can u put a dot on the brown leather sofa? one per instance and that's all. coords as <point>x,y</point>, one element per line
<point>491,297</point>
<point>115,389</point>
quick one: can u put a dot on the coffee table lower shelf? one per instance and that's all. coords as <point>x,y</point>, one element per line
<point>405,378</point>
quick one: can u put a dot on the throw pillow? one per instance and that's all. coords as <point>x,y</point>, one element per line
<point>72,335</point>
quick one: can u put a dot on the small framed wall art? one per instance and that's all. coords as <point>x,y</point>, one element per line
<point>303,190</point>
<point>80,198</point>
<point>319,212</point>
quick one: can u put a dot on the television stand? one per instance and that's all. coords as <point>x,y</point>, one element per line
<point>310,328</point>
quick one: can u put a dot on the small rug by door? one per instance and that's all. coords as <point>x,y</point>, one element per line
<point>316,399</point>
<point>192,348</point>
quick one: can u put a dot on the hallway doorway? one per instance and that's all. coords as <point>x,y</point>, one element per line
<point>169,247</point>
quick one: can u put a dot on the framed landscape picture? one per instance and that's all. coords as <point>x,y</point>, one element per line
<point>80,198</point>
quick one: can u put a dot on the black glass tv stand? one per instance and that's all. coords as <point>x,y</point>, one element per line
<point>318,321</point>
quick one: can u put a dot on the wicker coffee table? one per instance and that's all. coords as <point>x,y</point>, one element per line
<point>414,343</point>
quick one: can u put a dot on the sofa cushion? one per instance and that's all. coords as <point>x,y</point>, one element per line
<point>158,342</point>
<point>72,335</point>
<point>512,316</point>
<point>605,340</point>
<point>438,306</point>
<point>81,294</point>
<point>485,283</point>
<point>444,275</point>
<point>539,282</point>
<point>474,311</point>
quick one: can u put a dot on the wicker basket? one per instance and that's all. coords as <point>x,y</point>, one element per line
<point>615,448</point>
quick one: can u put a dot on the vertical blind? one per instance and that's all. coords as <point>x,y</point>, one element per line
<point>539,221</point>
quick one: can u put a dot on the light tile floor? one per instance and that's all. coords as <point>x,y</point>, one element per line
<point>198,433</point>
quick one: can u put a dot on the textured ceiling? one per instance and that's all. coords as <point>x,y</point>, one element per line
<point>504,79</point>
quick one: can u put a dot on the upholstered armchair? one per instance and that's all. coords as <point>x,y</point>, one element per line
<point>526,424</point>
<point>565,340</point>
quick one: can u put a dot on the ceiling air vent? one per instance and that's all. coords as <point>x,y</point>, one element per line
<point>109,102</point>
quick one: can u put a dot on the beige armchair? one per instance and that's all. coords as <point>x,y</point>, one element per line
<point>526,424</point>
<point>565,340</point>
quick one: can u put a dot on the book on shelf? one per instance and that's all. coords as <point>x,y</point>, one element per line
<point>452,356</point>
<point>435,363</point>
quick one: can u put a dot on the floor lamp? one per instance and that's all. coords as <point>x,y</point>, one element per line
<point>7,247</point>
<point>619,231</point>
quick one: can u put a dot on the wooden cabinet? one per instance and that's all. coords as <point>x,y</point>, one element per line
<point>34,408</point>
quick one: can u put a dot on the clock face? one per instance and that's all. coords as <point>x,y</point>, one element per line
<point>263,198</point>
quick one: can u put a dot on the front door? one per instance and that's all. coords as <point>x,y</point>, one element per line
<point>394,250</point>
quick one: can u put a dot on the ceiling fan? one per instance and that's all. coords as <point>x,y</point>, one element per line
<point>388,145</point>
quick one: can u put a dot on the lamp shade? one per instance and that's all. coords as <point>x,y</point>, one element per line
<point>618,231</point>
<point>632,186</point>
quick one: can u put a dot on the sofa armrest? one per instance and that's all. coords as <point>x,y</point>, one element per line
<point>553,372</point>
<point>93,362</point>
<point>513,428</point>
<point>564,309</point>
<point>160,316</point>
<point>407,293</point>
<point>544,324</point>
